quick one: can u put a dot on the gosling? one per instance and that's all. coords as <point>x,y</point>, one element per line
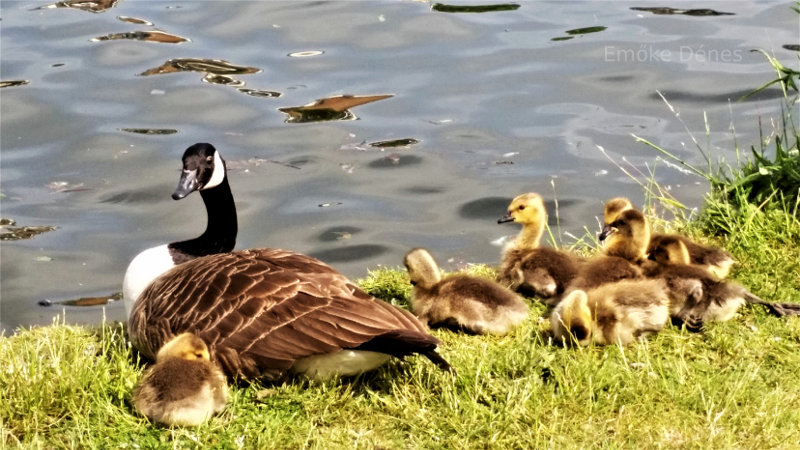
<point>614,313</point>
<point>715,260</point>
<point>625,249</point>
<point>697,295</point>
<point>184,387</point>
<point>464,302</point>
<point>525,266</point>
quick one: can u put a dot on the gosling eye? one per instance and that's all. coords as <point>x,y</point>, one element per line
<point>521,207</point>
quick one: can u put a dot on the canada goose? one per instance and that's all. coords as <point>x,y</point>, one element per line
<point>474,304</point>
<point>262,312</point>
<point>527,267</point>
<point>614,313</point>
<point>627,242</point>
<point>184,387</point>
<point>713,259</point>
<point>697,295</point>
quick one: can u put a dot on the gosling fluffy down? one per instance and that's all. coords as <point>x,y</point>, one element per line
<point>525,266</point>
<point>184,387</point>
<point>715,260</point>
<point>697,295</point>
<point>614,313</point>
<point>473,304</point>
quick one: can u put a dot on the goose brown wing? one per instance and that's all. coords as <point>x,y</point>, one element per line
<point>261,310</point>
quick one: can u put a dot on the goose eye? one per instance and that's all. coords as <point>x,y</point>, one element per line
<point>209,158</point>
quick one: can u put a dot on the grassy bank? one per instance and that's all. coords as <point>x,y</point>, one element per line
<point>735,385</point>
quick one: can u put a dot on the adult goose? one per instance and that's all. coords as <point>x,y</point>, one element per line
<point>263,312</point>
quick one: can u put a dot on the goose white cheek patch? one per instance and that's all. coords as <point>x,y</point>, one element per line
<point>219,172</point>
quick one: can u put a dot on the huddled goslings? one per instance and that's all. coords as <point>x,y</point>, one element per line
<point>476,305</point>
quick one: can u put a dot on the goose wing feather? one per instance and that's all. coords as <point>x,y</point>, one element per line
<point>261,310</point>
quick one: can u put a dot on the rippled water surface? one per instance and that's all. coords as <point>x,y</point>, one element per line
<point>354,130</point>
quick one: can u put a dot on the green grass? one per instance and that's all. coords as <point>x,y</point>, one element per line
<point>734,385</point>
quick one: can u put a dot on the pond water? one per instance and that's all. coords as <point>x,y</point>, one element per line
<point>98,106</point>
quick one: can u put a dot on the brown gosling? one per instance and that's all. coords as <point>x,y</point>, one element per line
<point>614,313</point>
<point>525,266</point>
<point>184,387</point>
<point>697,295</point>
<point>465,302</point>
<point>714,259</point>
<point>626,247</point>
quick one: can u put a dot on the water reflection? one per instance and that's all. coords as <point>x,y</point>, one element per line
<point>150,36</point>
<point>441,7</point>
<point>213,66</point>
<point>661,10</point>
<point>338,233</point>
<point>12,83</point>
<point>350,253</point>
<point>395,160</point>
<point>95,6</point>
<point>331,108</point>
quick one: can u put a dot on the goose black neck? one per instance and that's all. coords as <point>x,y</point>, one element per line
<point>221,230</point>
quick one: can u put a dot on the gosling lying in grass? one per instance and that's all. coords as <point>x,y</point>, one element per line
<point>465,302</point>
<point>715,260</point>
<point>613,313</point>
<point>184,387</point>
<point>697,295</point>
<point>525,266</point>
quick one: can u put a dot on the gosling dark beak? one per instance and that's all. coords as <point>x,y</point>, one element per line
<point>607,231</point>
<point>186,185</point>
<point>505,218</point>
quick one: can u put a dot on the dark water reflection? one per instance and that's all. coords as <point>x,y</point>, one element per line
<point>484,106</point>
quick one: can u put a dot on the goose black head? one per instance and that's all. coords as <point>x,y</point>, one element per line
<point>203,168</point>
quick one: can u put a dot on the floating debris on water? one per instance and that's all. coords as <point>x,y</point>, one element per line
<point>9,232</point>
<point>94,6</point>
<point>215,66</point>
<point>83,301</point>
<point>134,20</point>
<point>223,80</point>
<point>306,54</point>
<point>331,108</point>
<point>149,130</point>
<point>441,7</point>
<point>12,83</point>
<point>586,30</point>
<point>260,93</point>
<point>150,36</point>
<point>663,10</point>
<point>329,204</point>
<point>407,142</point>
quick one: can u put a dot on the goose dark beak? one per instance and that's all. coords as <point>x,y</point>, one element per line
<point>186,185</point>
<point>607,231</point>
<point>505,218</point>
